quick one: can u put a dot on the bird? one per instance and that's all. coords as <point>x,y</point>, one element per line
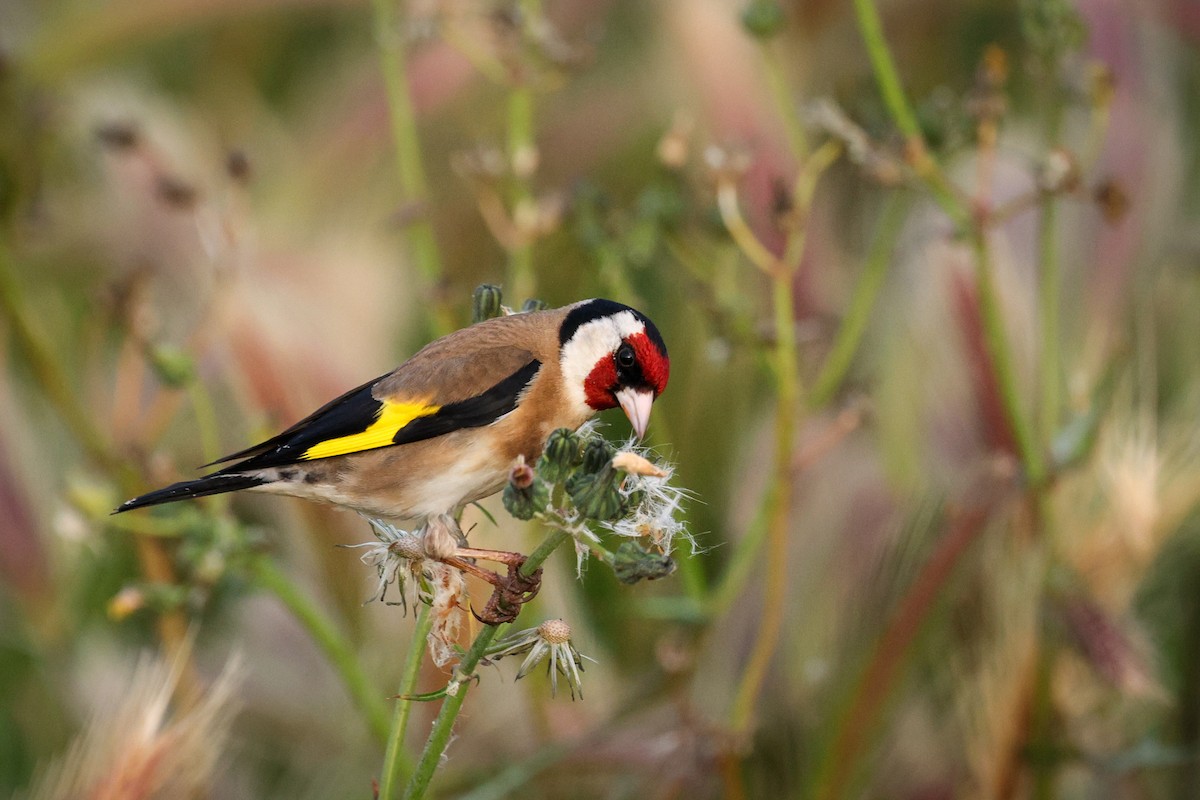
<point>444,428</point>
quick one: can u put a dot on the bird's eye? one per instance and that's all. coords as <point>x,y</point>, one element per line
<point>625,356</point>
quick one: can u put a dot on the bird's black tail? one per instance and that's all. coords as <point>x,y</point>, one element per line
<point>201,487</point>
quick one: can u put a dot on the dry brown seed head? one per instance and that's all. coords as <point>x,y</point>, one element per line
<point>555,631</point>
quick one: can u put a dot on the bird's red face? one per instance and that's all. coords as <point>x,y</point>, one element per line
<point>616,357</point>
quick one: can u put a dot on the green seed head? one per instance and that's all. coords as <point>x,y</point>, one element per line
<point>595,494</point>
<point>561,456</point>
<point>597,455</point>
<point>631,564</point>
<point>486,302</point>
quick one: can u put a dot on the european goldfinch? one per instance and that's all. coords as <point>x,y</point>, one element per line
<point>445,427</point>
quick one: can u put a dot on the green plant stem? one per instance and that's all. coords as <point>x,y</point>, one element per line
<point>396,762</point>
<point>48,372</point>
<point>784,102</point>
<point>443,726</point>
<point>862,302</point>
<point>959,211</point>
<point>207,426</point>
<point>741,562</point>
<point>1049,285</point>
<point>775,588</point>
<point>336,649</point>
<point>1049,301</point>
<point>996,338</point>
<point>410,166</point>
<point>901,111</point>
<point>888,77</point>
<point>153,560</point>
<point>1041,722</point>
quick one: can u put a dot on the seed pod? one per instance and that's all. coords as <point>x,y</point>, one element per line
<point>486,302</point>
<point>561,455</point>
<point>533,304</point>
<point>597,456</point>
<point>595,494</point>
<point>523,503</point>
<point>631,564</point>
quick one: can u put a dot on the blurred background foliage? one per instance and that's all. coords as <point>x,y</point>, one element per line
<point>935,372</point>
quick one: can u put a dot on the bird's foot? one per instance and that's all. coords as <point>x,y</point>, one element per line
<point>510,594</point>
<point>511,591</point>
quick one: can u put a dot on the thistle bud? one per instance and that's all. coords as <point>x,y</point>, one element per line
<point>560,457</point>
<point>597,456</point>
<point>631,564</point>
<point>533,304</point>
<point>486,302</point>
<point>595,494</point>
<point>525,495</point>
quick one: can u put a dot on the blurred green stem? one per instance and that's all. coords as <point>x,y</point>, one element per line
<point>862,302</point>
<point>443,726</point>
<point>48,372</point>
<point>1049,300</point>
<point>996,337</point>
<point>784,102</point>
<point>888,78</point>
<point>782,274</point>
<point>775,587</point>
<point>336,649</point>
<point>206,420</point>
<point>407,144</point>
<point>1041,724</point>
<point>1049,284</point>
<point>153,560</point>
<point>741,562</point>
<point>396,762</point>
<point>960,211</point>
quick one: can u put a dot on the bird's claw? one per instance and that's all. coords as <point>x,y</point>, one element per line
<point>509,595</point>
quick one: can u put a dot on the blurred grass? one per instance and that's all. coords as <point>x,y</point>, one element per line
<point>204,194</point>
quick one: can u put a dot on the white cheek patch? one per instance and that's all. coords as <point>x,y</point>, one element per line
<point>593,341</point>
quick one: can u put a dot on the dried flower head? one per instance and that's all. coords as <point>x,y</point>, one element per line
<point>399,555</point>
<point>396,556</point>
<point>655,506</point>
<point>552,638</point>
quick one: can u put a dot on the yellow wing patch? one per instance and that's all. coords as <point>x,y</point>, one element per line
<point>392,417</point>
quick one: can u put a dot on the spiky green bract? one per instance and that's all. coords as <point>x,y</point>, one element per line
<point>597,495</point>
<point>563,453</point>
<point>523,502</point>
<point>597,455</point>
<point>486,302</point>
<point>631,564</point>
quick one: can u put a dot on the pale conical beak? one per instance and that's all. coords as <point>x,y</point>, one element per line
<point>636,404</point>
